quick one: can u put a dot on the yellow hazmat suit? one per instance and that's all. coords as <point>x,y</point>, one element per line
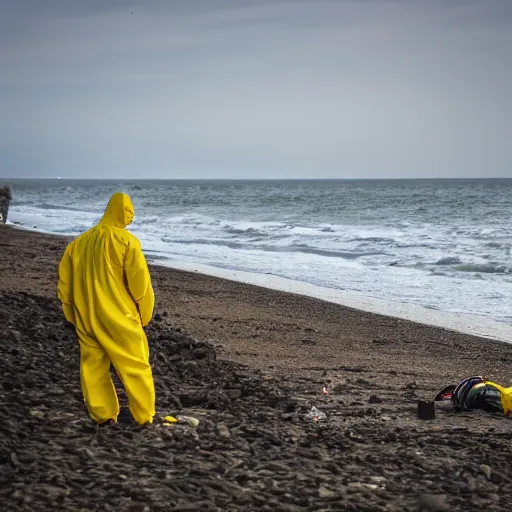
<point>505,396</point>
<point>106,293</point>
<point>506,400</point>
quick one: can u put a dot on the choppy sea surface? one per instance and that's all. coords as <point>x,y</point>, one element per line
<point>440,245</point>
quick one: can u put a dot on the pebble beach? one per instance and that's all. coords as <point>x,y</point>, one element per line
<point>249,363</point>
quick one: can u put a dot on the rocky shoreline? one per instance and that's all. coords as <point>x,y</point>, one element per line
<point>254,448</point>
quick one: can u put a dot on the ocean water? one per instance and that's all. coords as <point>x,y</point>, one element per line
<point>438,245</point>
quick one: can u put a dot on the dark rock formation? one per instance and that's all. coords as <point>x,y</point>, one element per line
<point>5,200</point>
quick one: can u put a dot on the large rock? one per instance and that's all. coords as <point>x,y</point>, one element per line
<point>5,200</point>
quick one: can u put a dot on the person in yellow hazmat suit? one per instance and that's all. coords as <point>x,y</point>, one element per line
<point>106,293</point>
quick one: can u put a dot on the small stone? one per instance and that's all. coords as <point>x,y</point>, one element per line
<point>200,353</point>
<point>374,399</point>
<point>325,493</point>
<point>14,459</point>
<point>36,413</point>
<point>26,457</point>
<point>17,336</point>
<point>363,485</point>
<point>471,483</point>
<point>234,393</point>
<point>223,431</point>
<point>7,385</point>
<point>433,503</point>
<point>498,478</point>
<point>386,418</point>
<point>486,470</point>
<point>189,420</point>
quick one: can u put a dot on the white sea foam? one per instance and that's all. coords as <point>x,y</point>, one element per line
<point>417,245</point>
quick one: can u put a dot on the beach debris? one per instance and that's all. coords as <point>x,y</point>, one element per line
<point>189,420</point>
<point>315,414</point>
<point>170,421</point>
<point>426,410</point>
<point>36,413</point>
<point>325,390</point>
<point>477,392</point>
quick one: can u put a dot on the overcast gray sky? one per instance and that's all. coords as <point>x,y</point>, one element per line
<point>255,88</point>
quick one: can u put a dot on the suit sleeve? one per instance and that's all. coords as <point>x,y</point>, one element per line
<point>65,286</point>
<point>139,281</point>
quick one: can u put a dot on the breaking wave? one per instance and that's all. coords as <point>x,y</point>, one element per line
<point>362,236</point>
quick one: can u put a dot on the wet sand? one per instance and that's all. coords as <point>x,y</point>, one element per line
<point>267,356</point>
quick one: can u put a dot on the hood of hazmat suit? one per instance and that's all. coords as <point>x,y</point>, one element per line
<point>106,293</point>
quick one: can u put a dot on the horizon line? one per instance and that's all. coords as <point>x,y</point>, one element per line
<point>254,179</point>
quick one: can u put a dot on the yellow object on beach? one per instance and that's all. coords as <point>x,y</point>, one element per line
<point>106,293</point>
<point>170,419</point>
<point>506,397</point>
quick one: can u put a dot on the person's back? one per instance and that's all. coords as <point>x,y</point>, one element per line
<point>105,289</point>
